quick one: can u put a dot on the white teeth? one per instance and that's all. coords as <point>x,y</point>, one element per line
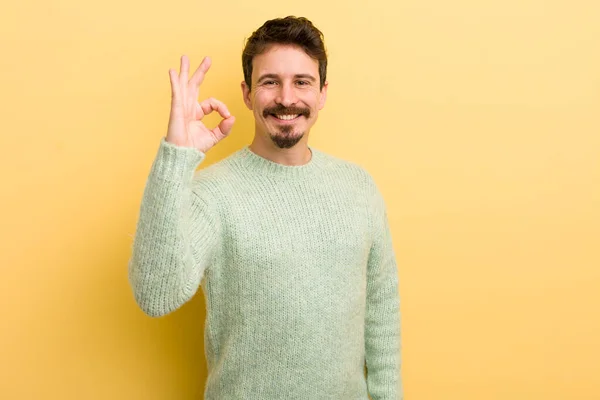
<point>287,117</point>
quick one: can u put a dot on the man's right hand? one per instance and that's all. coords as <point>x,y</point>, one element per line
<point>185,121</point>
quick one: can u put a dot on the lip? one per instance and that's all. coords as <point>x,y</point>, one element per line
<point>285,121</point>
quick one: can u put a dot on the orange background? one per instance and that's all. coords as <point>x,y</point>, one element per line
<point>479,120</point>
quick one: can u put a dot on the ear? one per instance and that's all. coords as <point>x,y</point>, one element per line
<point>323,95</point>
<point>246,95</point>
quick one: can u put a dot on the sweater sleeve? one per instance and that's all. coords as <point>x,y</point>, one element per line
<point>176,233</point>
<point>382,325</point>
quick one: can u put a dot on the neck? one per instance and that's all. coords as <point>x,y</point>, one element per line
<point>300,154</point>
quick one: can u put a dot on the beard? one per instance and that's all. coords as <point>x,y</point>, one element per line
<point>286,138</point>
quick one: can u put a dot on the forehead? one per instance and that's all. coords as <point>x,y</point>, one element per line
<point>284,60</point>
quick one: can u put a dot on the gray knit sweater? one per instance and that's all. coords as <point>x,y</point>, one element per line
<point>296,265</point>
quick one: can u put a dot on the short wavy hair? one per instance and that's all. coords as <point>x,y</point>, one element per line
<point>297,31</point>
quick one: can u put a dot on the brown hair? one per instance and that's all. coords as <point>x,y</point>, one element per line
<point>297,31</point>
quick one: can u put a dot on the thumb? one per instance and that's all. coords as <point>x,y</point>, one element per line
<point>224,127</point>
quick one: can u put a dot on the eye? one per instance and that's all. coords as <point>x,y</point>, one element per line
<point>303,83</point>
<point>269,83</point>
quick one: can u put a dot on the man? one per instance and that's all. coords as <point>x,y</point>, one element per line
<point>291,246</point>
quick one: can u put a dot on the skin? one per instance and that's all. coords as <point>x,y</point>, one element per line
<point>285,80</point>
<point>185,127</point>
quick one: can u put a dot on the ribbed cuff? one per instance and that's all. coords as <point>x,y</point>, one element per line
<point>176,163</point>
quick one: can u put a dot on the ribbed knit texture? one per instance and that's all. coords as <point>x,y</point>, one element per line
<point>296,265</point>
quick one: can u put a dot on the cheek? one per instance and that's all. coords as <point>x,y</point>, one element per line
<point>312,100</point>
<point>261,100</point>
<point>321,103</point>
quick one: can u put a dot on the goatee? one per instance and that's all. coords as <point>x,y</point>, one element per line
<point>285,139</point>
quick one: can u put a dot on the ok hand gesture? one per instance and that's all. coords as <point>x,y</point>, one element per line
<point>185,120</point>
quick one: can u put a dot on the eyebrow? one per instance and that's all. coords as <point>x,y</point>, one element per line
<point>275,76</point>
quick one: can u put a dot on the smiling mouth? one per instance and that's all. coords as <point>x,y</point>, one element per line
<point>286,117</point>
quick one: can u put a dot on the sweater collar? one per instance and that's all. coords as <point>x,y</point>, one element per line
<point>255,163</point>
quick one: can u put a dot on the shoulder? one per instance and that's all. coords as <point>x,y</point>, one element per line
<point>360,184</point>
<point>211,181</point>
<point>352,171</point>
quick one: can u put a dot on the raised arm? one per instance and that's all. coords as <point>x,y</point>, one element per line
<point>177,230</point>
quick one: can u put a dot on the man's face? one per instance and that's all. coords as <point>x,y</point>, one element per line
<point>285,96</point>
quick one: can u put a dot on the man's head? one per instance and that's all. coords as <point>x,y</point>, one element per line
<point>285,67</point>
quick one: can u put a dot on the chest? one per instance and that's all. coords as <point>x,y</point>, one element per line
<point>308,243</point>
<point>301,222</point>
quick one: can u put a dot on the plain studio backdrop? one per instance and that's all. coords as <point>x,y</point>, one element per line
<point>480,121</point>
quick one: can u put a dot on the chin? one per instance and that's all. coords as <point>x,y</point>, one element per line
<point>284,141</point>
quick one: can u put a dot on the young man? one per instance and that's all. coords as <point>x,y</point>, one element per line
<point>291,246</point>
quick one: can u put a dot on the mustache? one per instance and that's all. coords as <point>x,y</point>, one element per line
<point>282,110</point>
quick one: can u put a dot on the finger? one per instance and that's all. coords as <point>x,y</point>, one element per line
<point>199,111</point>
<point>184,70</point>
<point>175,90</point>
<point>200,72</point>
<point>224,127</point>
<point>209,105</point>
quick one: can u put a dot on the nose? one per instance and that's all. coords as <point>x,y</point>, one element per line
<point>286,96</point>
